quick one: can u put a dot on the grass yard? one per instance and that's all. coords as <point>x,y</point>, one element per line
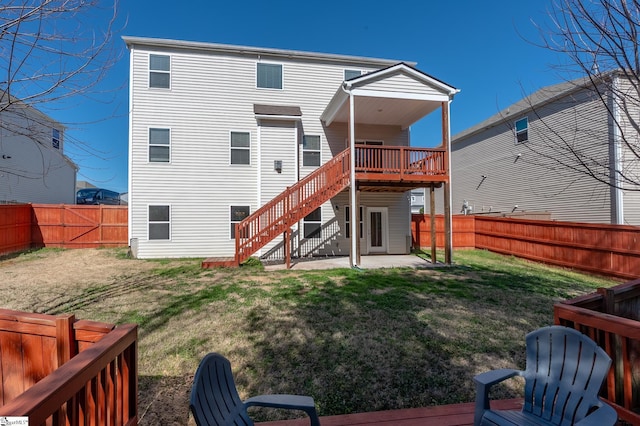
<point>354,340</point>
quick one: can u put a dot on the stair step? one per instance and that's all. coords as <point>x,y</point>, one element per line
<point>219,262</point>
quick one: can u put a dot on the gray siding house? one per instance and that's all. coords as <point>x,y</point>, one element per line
<point>33,167</point>
<point>237,149</point>
<point>532,157</point>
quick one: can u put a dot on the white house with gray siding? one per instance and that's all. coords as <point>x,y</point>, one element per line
<point>217,131</point>
<point>33,167</point>
<point>527,158</point>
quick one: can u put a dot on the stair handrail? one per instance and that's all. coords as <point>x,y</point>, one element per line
<point>291,205</point>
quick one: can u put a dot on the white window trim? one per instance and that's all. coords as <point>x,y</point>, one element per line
<point>319,150</point>
<point>149,71</point>
<point>58,139</point>
<point>248,149</point>
<point>149,239</point>
<point>149,144</point>
<point>270,63</point>
<point>344,72</point>
<point>231,221</point>
<point>516,132</point>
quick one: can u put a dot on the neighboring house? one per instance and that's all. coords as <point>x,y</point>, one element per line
<point>33,167</point>
<point>417,201</point>
<point>512,162</point>
<point>240,151</point>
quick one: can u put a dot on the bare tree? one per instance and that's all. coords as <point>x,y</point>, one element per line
<point>51,51</point>
<point>598,41</point>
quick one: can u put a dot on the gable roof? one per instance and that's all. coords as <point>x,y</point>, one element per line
<point>134,42</point>
<point>396,95</point>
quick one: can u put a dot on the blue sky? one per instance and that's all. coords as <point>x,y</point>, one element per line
<point>485,49</point>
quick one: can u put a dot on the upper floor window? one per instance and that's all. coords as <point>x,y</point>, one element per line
<point>159,223</point>
<point>311,150</point>
<point>522,130</point>
<point>349,74</point>
<point>240,148</point>
<point>160,71</point>
<point>159,145</point>
<point>269,76</point>
<point>55,138</point>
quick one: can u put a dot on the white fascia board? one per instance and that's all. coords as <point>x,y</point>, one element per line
<point>334,106</point>
<point>402,67</point>
<point>400,95</point>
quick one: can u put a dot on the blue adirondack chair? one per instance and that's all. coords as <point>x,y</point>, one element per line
<point>215,401</point>
<point>564,372</point>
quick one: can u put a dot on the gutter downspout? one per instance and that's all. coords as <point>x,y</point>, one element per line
<point>616,154</point>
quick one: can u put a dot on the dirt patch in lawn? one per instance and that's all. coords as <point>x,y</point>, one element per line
<point>70,281</point>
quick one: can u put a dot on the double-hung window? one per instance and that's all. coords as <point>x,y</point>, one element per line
<point>240,148</point>
<point>312,224</point>
<point>311,150</point>
<point>159,223</point>
<point>160,71</point>
<point>55,138</point>
<point>159,145</point>
<point>237,213</point>
<point>522,130</point>
<point>269,76</point>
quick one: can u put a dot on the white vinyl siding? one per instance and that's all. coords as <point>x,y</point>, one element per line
<point>496,176</point>
<point>402,83</point>
<point>210,96</point>
<point>34,170</point>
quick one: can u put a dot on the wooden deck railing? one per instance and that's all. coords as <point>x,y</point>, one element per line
<point>402,161</point>
<point>58,371</point>
<point>297,201</point>
<point>611,318</point>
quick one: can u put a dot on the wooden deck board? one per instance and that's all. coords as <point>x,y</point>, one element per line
<point>441,415</point>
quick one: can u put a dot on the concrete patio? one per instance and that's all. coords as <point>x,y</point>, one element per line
<point>367,262</point>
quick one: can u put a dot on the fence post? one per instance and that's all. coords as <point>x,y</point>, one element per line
<point>65,338</point>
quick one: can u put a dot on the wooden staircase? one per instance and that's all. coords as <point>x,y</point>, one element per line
<point>286,209</point>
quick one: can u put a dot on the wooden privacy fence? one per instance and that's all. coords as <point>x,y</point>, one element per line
<point>611,317</point>
<point>25,226</point>
<point>59,371</point>
<point>612,250</point>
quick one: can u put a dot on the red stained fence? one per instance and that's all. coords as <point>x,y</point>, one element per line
<point>612,250</point>
<point>59,371</point>
<point>611,317</point>
<point>24,226</point>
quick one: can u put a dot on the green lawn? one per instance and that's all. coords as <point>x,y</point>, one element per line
<point>354,340</point>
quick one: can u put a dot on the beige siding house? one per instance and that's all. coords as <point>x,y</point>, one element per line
<point>527,158</point>
<point>33,167</point>
<point>218,133</point>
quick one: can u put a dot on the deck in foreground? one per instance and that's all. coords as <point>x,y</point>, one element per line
<point>441,415</point>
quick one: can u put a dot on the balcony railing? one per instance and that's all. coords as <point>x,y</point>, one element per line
<point>401,162</point>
